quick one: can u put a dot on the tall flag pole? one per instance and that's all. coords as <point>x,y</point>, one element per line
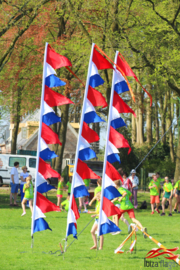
<point>114,140</point>
<point>49,99</point>
<point>92,98</point>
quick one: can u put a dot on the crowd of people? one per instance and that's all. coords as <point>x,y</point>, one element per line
<point>126,202</point>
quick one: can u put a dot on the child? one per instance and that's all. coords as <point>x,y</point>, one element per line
<point>65,204</point>
<point>126,206</point>
<point>167,194</point>
<point>126,182</point>
<point>117,204</point>
<point>28,194</point>
<point>95,225</point>
<point>60,191</point>
<point>96,190</point>
<point>154,187</point>
<point>68,185</point>
<point>177,194</point>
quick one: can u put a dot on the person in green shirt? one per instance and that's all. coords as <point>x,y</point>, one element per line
<point>167,195</point>
<point>28,194</point>
<point>126,206</point>
<point>177,194</point>
<point>65,204</point>
<point>160,183</point>
<point>68,185</point>
<point>60,190</point>
<point>154,187</point>
<point>96,190</point>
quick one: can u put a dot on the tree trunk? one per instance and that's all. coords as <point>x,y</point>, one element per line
<point>140,137</point>
<point>169,122</point>
<point>62,136</point>
<point>16,120</point>
<point>163,106</point>
<point>149,123</point>
<point>177,170</point>
<point>156,119</point>
<point>133,129</point>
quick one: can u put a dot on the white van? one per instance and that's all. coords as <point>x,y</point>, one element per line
<point>7,162</point>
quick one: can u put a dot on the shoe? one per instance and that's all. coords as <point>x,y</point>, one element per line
<point>85,211</point>
<point>163,214</point>
<point>129,229</point>
<point>135,207</point>
<point>152,212</point>
<point>15,204</point>
<point>79,211</point>
<point>157,211</point>
<point>178,212</point>
<point>86,202</point>
<point>114,233</point>
<point>23,214</point>
<point>175,210</point>
<point>145,230</point>
<point>170,215</point>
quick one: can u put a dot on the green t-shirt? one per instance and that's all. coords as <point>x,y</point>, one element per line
<point>65,204</point>
<point>69,186</point>
<point>155,190</point>
<point>97,208</point>
<point>117,202</point>
<point>87,182</point>
<point>125,203</point>
<point>60,186</point>
<point>96,190</point>
<point>159,180</point>
<point>168,187</point>
<point>28,192</point>
<point>177,185</point>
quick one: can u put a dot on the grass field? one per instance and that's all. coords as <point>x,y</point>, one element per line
<point>16,252</point>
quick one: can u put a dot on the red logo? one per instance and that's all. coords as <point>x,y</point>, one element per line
<point>155,252</point>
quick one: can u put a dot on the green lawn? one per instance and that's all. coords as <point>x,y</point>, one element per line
<point>16,252</point>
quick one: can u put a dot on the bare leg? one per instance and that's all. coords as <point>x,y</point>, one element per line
<point>94,228</point>
<point>163,206</point>
<point>152,207</point>
<point>137,222</point>
<point>101,242</point>
<point>58,201</point>
<point>179,203</point>
<point>31,205</point>
<point>15,196</point>
<point>170,206</point>
<point>23,206</point>
<point>83,202</point>
<point>124,220</point>
<point>11,194</point>
<point>80,204</point>
<point>116,220</point>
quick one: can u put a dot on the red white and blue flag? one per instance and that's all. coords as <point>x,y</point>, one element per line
<point>114,140</point>
<point>92,98</point>
<point>49,99</point>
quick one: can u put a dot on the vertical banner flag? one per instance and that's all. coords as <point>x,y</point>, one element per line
<point>114,140</point>
<point>46,135</point>
<point>92,98</point>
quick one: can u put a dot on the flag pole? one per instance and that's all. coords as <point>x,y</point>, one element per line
<point>38,144</point>
<point>106,149</point>
<point>80,132</point>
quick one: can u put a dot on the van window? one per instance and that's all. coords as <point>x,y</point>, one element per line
<point>32,163</point>
<point>21,160</point>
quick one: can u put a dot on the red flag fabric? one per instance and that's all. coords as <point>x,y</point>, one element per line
<point>112,172</point>
<point>100,61</point>
<point>118,139</point>
<point>56,60</point>
<point>55,99</point>
<point>120,105</point>
<point>75,208</point>
<point>128,72</point>
<point>89,134</point>
<point>125,67</point>
<point>49,136</point>
<point>85,172</point>
<point>45,205</point>
<point>109,208</point>
<point>46,170</point>
<point>96,98</point>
